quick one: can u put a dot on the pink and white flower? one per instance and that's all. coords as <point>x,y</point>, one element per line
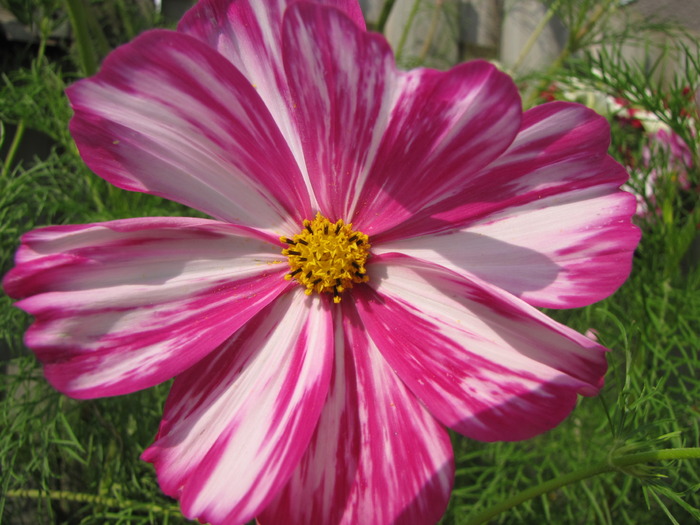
<point>300,408</point>
<point>665,158</point>
<point>658,141</point>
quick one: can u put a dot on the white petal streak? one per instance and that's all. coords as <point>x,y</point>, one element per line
<point>484,362</point>
<point>319,489</point>
<point>168,115</point>
<point>249,34</point>
<point>562,251</point>
<point>406,468</point>
<point>127,304</point>
<point>236,425</point>
<point>342,81</point>
<point>377,456</point>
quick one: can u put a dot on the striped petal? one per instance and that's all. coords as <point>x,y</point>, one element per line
<point>381,144</point>
<point>484,363</point>
<point>377,455</point>
<point>125,305</point>
<point>342,82</point>
<point>249,34</point>
<point>236,425</point>
<point>555,229</point>
<point>560,147</point>
<point>443,128</point>
<point>168,115</point>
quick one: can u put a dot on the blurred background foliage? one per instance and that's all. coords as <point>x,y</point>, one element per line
<point>77,462</point>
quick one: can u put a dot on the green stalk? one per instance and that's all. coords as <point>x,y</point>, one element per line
<point>78,19</point>
<point>535,35</point>
<point>406,30</point>
<point>93,499</point>
<point>384,15</point>
<point>45,30</point>
<point>573,45</point>
<point>125,19</point>
<point>611,465</point>
<point>12,151</point>
<point>437,8</point>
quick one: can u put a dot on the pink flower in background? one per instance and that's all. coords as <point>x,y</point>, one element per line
<point>664,146</point>
<point>380,242</point>
<point>670,143</point>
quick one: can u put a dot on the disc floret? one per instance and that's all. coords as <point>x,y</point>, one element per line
<point>327,257</point>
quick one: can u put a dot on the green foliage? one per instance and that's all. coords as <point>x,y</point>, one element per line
<point>652,324</point>
<point>67,461</point>
<point>77,462</point>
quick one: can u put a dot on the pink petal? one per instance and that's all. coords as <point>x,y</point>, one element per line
<point>484,363</point>
<point>236,424</point>
<point>125,305</point>
<point>167,115</point>
<point>553,229</point>
<point>560,147</point>
<point>249,34</point>
<point>342,82</point>
<point>377,455</point>
<point>443,127</point>
<point>380,144</point>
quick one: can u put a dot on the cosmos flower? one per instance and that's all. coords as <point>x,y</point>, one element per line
<point>665,160</point>
<point>659,142</point>
<point>380,240</point>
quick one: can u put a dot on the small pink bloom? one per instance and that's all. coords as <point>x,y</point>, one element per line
<point>592,334</point>
<point>329,407</point>
<point>667,146</point>
<point>678,152</point>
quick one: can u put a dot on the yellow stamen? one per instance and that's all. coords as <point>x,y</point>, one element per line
<point>327,257</point>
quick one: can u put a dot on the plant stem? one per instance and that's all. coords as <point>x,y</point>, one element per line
<point>535,35</point>
<point>600,468</point>
<point>384,15</point>
<point>12,151</point>
<point>45,30</point>
<point>78,20</point>
<point>406,30</point>
<point>573,45</point>
<point>437,8</point>
<point>125,19</point>
<point>78,497</point>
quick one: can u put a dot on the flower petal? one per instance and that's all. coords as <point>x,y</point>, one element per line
<point>236,424</point>
<point>320,487</point>
<point>125,305</point>
<point>167,115</point>
<point>555,229</point>
<point>443,128</point>
<point>378,141</point>
<point>377,455</point>
<point>560,147</point>
<point>483,362</point>
<point>249,34</point>
<point>342,82</point>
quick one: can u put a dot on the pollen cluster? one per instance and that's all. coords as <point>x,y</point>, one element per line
<point>327,257</point>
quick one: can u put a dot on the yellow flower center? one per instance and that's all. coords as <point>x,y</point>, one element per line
<point>327,257</point>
